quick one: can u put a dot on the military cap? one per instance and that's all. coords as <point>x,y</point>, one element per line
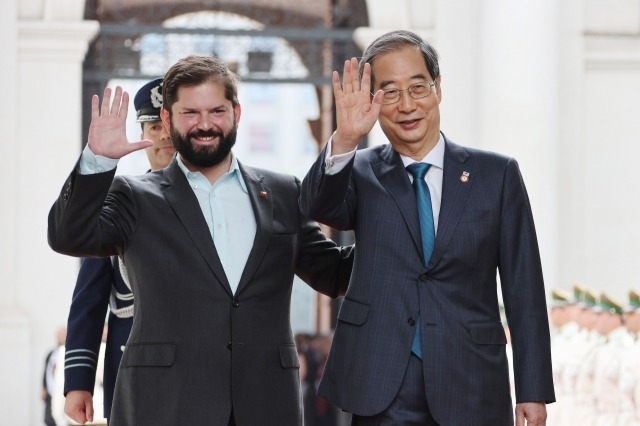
<point>588,299</point>
<point>560,298</point>
<point>634,302</point>
<point>607,304</point>
<point>148,101</point>
<point>578,292</point>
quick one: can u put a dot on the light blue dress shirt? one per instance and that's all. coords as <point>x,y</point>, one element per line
<point>225,205</point>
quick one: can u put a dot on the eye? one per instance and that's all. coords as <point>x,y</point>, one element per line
<point>391,93</point>
<point>419,88</point>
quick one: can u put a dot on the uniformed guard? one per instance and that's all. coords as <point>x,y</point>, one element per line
<point>629,377</point>
<point>103,282</point>
<point>608,360</point>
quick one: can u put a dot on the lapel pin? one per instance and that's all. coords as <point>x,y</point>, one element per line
<point>464,178</point>
<point>263,194</point>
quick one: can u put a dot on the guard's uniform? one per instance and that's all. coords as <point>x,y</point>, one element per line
<point>100,284</point>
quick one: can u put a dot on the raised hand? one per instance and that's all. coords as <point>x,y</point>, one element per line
<point>356,112</point>
<point>107,131</point>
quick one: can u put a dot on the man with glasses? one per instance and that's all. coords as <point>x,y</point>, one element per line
<point>419,339</point>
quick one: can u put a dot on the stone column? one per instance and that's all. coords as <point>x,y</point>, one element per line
<point>518,104</point>
<point>44,43</point>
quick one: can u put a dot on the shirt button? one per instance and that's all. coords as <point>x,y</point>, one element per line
<point>411,322</point>
<point>235,303</point>
<point>122,348</point>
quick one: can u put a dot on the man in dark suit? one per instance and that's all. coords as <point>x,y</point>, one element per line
<point>102,282</point>
<point>419,339</point>
<point>211,247</point>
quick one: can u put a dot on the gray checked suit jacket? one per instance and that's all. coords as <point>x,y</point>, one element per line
<point>196,350</point>
<point>485,226</point>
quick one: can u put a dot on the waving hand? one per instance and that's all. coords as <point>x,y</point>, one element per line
<point>107,131</point>
<point>356,111</point>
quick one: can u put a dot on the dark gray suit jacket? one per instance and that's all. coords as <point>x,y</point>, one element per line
<point>485,225</point>
<point>196,350</point>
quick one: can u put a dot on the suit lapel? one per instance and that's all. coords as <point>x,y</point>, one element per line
<point>455,193</point>
<point>183,201</point>
<point>393,177</point>
<point>261,198</point>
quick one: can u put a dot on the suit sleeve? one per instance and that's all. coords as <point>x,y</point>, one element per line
<point>320,263</point>
<point>523,292</point>
<point>85,324</point>
<point>329,198</point>
<point>93,216</point>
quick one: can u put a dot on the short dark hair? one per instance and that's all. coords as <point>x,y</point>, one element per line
<point>194,70</point>
<point>394,40</point>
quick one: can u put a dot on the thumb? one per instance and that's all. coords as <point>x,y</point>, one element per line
<point>136,146</point>
<point>89,409</point>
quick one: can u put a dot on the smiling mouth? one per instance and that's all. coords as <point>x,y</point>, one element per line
<point>408,123</point>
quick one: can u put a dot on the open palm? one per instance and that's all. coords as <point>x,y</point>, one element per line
<point>107,131</point>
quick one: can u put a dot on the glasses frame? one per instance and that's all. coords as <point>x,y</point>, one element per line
<point>408,89</point>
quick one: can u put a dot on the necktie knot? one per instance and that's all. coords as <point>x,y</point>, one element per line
<point>418,170</point>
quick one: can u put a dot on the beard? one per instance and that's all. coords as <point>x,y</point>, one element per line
<point>204,156</point>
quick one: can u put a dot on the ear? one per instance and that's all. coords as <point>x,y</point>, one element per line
<point>166,119</point>
<point>237,111</point>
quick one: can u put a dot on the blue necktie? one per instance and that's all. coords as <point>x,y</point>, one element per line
<point>427,230</point>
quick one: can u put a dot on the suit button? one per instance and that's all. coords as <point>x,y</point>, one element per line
<point>424,278</point>
<point>411,322</point>
<point>235,303</point>
<point>229,345</point>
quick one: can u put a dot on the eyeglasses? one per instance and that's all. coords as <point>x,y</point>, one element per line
<point>416,91</point>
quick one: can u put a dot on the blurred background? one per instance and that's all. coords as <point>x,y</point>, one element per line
<point>553,83</point>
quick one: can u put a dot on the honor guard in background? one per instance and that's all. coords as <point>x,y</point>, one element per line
<point>580,346</point>
<point>103,282</point>
<point>608,360</point>
<point>629,377</point>
<point>564,329</point>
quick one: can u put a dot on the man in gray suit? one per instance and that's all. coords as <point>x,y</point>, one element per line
<point>419,339</point>
<point>211,247</point>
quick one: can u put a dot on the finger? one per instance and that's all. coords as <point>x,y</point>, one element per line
<point>377,99</point>
<point>95,107</point>
<point>136,146</point>
<point>337,88</point>
<point>519,419</point>
<point>106,99</point>
<point>355,74</point>
<point>89,410</point>
<point>117,100</point>
<point>365,81</point>
<point>346,77</point>
<point>77,415</point>
<point>124,107</point>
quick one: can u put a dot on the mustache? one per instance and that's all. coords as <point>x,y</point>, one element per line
<point>205,134</point>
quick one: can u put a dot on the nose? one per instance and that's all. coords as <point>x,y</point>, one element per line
<point>406,102</point>
<point>205,122</point>
<point>164,134</point>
